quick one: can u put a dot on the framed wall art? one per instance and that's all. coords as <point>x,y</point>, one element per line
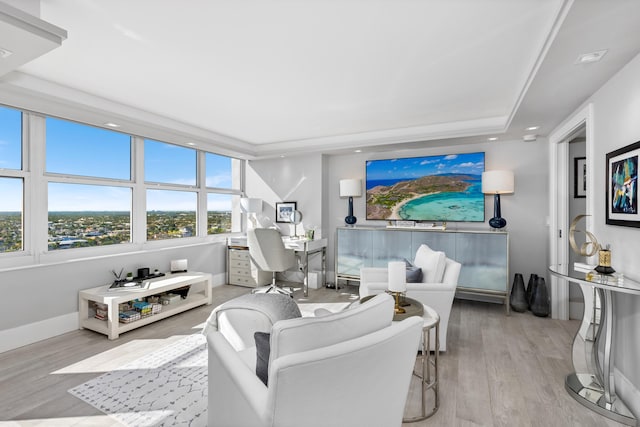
<point>284,211</point>
<point>622,186</point>
<point>579,177</point>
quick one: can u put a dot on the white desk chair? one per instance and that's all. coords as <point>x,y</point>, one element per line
<point>268,252</point>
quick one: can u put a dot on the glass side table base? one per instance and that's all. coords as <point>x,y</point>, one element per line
<point>586,389</point>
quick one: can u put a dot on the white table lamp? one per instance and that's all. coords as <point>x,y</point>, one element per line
<point>496,183</point>
<point>397,271</point>
<point>350,188</point>
<point>252,207</point>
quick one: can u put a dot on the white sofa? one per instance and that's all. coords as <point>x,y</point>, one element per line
<point>437,289</point>
<point>351,368</point>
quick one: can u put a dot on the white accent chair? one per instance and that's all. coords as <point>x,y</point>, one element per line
<point>437,289</point>
<point>351,368</point>
<point>268,252</point>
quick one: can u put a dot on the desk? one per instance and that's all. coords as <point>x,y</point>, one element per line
<point>241,271</point>
<point>592,383</point>
<point>304,248</point>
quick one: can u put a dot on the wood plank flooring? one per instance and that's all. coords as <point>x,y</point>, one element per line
<point>498,370</point>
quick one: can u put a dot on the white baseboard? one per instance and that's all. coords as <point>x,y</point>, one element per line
<point>628,392</point>
<point>28,334</point>
<point>218,279</point>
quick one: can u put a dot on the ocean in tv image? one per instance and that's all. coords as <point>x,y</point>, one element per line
<point>433,188</point>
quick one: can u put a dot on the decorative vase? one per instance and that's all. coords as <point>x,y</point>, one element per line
<point>530,288</point>
<point>540,301</point>
<point>518,299</point>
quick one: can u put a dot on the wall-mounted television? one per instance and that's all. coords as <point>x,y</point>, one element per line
<point>432,188</point>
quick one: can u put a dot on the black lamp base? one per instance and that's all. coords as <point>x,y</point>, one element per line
<point>350,219</point>
<point>497,222</point>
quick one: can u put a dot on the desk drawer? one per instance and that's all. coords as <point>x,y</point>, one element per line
<point>238,255</point>
<point>243,280</point>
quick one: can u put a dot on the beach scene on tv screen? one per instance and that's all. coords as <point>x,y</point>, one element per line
<point>433,188</point>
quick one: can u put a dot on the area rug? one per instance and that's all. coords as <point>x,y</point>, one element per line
<point>167,387</point>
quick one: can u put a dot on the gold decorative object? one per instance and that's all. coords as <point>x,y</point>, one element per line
<point>588,248</point>
<point>604,261</point>
<point>398,309</point>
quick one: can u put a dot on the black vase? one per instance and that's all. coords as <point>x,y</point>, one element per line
<point>530,288</point>
<point>518,299</point>
<point>540,300</point>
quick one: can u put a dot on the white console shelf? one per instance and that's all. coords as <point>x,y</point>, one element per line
<point>199,294</point>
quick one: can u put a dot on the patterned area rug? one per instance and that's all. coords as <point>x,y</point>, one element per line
<point>167,387</point>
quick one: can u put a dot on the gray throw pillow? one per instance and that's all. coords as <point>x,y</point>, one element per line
<point>414,273</point>
<point>263,349</point>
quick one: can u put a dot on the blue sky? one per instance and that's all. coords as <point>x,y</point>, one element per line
<point>76,149</point>
<point>416,167</point>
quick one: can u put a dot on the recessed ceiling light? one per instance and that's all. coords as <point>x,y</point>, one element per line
<point>191,144</point>
<point>112,125</point>
<point>493,138</point>
<point>358,151</point>
<point>533,128</point>
<point>586,58</point>
<point>529,138</point>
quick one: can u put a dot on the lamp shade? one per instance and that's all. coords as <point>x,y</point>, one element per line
<point>251,205</point>
<point>497,182</point>
<point>350,188</point>
<point>397,271</point>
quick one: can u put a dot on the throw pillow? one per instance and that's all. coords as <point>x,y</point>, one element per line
<point>432,263</point>
<point>263,349</point>
<point>414,273</point>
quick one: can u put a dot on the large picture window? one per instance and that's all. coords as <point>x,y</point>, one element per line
<point>10,139</point>
<point>76,149</point>
<point>88,215</point>
<point>171,214</point>
<point>169,164</point>
<point>11,204</point>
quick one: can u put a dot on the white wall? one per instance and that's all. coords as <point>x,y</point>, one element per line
<point>526,210</point>
<point>616,123</point>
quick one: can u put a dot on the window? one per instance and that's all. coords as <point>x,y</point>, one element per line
<point>218,171</point>
<point>171,214</point>
<point>169,164</point>
<point>219,213</point>
<point>10,139</point>
<point>76,149</point>
<point>88,215</point>
<point>11,214</point>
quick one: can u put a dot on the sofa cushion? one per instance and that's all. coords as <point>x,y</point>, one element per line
<point>263,349</point>
<point>308,333</point>
<point>414,273</point>
<point>431,262</point>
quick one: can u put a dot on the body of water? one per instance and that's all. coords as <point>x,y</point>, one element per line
<point>458,206</point>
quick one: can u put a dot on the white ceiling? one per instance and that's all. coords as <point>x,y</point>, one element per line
<point>271,77</point>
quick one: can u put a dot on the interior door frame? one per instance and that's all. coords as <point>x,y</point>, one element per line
<point>559,201</point>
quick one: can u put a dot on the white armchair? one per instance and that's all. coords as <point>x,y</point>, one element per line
<point>437,289</point>
<point>344,369</point>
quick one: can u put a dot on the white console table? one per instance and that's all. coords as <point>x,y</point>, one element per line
<point>484,255</point>
<point>592,384</point>
<point>199,294</point>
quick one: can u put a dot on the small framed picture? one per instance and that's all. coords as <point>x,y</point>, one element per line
<point>622,186</point>
<point>579,177</point>
<point>284,211</point>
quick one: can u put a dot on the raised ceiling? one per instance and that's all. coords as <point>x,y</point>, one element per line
<point>270,77</point>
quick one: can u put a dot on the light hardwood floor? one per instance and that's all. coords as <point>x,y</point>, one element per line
<point>498,370</point>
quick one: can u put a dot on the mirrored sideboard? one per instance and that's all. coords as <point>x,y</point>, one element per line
<point>484,255</point>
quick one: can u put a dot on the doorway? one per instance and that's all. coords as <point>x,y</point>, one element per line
<point>561,193</point>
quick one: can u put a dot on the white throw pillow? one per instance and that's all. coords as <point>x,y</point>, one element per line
<point>431,262</point>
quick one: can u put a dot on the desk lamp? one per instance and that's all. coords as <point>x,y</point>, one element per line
<point>397,271</point>
<point>496,183</point>
<point>350,188</point>
<point>252,207</point>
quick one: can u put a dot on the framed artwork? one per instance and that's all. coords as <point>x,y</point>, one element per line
<point>622,186</point>
<point>579,177</point>
<point>284,211</point>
